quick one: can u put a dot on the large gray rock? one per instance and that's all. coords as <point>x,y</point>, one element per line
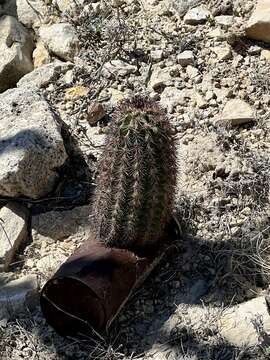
<point>16,47</point>
<point>61,39</point>
<point>31,146</point>
<point>13,232</point>
<point>258,26</point>
<point>44,75</point>
<point>31,12</point>
<point>17,296</point>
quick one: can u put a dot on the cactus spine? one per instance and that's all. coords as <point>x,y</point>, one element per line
<point>137,176</point>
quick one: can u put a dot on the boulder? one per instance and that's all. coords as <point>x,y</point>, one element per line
<point>31,146</point>
<point>258,26</point>
<point>16,47</point>
<point>30,12</point>
<point>18,295</point>
<point>61,40</point>
<point>13,232</point>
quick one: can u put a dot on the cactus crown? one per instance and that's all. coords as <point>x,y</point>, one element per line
<point>137,176</point>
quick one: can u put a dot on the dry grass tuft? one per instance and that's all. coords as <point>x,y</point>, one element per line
<point>249,258</point>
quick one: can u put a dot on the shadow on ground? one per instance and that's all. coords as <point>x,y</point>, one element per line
<point>173,316</point>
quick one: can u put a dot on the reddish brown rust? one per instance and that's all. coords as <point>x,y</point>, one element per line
<point>89,289</point>
<point>92,286</point>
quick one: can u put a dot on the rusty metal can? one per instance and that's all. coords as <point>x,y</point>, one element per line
<point>92,286</point>
<point>88,291</point>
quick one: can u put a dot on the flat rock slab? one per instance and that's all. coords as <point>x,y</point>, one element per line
<point>186,58</point>
<point>44,75</point>
<point>237,112</point>
<point>245,324</point>
<point>13,232</point>
<point>224,20</point>
<point>258,26</point>
<point>18,295</point>
<point>31,145</point>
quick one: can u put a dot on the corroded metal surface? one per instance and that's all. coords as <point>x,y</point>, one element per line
<point>91,287</point>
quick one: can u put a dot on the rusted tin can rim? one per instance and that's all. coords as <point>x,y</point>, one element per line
<point>66,315</point>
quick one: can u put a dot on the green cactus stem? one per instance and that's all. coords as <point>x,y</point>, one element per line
<point>137,176</point>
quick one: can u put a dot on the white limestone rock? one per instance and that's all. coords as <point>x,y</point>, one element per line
<point>31,145</point>
<point>13,232</point>
<point>16,47</point>
<point>61,40</point>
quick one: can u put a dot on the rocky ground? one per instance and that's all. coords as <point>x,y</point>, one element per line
<point>64,66</point>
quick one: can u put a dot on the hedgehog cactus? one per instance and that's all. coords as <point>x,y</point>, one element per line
<point>137,176</point>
